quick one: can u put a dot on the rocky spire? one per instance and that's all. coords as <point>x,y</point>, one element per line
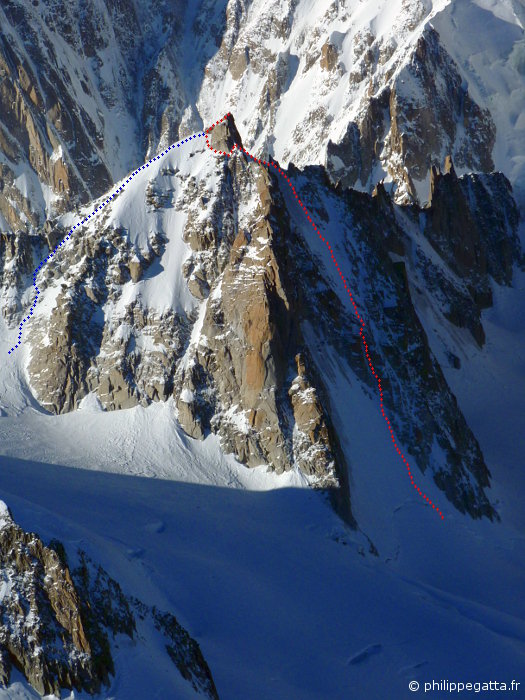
<point>41,599</point>
<point>381,196</point>
<point>225,135</point>
<point>449,166</point>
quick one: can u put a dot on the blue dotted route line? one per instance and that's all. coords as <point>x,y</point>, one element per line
<point>87,218</point>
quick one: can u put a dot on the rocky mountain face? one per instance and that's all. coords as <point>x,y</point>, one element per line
<point>82,99</point>
<point>246,377</point>
<point>370,90</point>
<point>468,224</point>
<point>90,90</point>
<point>59,626</point>
<point>385,246</point>
<point>239,358</point>
<point>228,342</point>
<point>407,125</point>
<point>201,284</point>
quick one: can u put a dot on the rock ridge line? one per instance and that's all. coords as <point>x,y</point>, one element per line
<point>272,164</point>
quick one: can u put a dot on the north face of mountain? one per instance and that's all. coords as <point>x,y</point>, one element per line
<point>188,285</point>
<point>195,329</point>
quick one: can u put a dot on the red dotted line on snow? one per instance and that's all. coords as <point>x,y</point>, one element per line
<point>347,288</point>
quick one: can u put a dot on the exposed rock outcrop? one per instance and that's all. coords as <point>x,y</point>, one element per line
<point>311,437</point>
<point>389,267</point>
<point>329,56</point>
<point>422,110</point>
<point>240,379</point>
<point>471,222</point>
<point>75,351</point>
<point>57,623</point>
<point>42,631</point>
<point>229,357</point>
<point>225,135</point>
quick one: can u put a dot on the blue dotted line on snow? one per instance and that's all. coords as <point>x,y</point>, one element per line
<point>87,218</point>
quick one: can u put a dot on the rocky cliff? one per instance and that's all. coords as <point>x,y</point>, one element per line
<point>90,90</point>
<point>235,350</point>
<point>196,283</point>
<point>201,285</point>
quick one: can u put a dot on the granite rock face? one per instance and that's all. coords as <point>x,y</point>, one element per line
<point>69,127</point>
<point>224,136</point>
<point>394,278</point>
<point>201,293</point>
<point>240,379</point>
<point>237,356</point>
<point>42,630</point>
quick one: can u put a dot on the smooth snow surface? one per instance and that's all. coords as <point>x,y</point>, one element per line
<point>275,591</point>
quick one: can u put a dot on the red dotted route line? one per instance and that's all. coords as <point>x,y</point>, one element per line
<point>347,288</point>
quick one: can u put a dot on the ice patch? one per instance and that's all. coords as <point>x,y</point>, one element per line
<point>91,404</point>
<point>187,396</point>
<point>5,516</point>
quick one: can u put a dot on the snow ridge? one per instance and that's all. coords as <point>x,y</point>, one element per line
<point>97,210</point>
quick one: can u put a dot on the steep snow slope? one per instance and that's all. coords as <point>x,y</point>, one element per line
<point>141,336</point>
<point>346,83</point>
<point>324,56</point>
<point>488,387</point>
<point>90,90</point>
<point>259,578</point>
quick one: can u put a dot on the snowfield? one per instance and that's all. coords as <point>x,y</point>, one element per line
<point>278,595</point>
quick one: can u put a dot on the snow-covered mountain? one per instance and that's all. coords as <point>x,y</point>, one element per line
<point>193,328</point>
<point>371,89</point>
